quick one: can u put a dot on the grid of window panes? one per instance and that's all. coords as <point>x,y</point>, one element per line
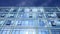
<point>29,20</point>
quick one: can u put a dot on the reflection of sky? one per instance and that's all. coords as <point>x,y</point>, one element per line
<point>29,2</point>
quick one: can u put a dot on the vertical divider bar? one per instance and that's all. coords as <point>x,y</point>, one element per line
<point>36,27</point>
<point>9,13</point>
<point>12,28</point>
<point>46,22</point>
<point>18,11</point>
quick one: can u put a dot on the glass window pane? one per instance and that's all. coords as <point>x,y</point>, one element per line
<point>42,31</point>
<point>8,32</point>
<point>4,32</point>
<point>55,31</point>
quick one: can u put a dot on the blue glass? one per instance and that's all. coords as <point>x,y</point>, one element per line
<point>5,10</point>
<point>42,31</point>
<point>8,22</point>
<point>33,22</point>
<point>13,32</point>
<point>30,19</point>
<point>42,23</point>
<point>19,22</point>
<point>22,10</point>
<point>27,31</point>
<point>27,10</point>
<point>2,15</point>
<point>21,32</point>
<point>58,22</point>
<point>31,15</point>
<point>55,31</point>
<point>40,15</point>
<point>17,32</point>
<point>27,15</point>
<point>23,23</point>
<point>14,10</point>
<point>4,32</point>
<point>8,32</point>
<point>1,22</point>
<point>50,15</point>
<point>11,15</point>
<point>58,15</point>
<point>21,15</point>
<point>1,31</point>
<point>51,22</point>
<point>26,22</point>
<point>53,9</point>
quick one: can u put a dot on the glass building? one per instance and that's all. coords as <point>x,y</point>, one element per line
<point>29,20</point>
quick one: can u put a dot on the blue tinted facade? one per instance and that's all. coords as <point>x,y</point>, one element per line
<point>32,20</point>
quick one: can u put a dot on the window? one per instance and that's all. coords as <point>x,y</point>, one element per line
<point>51,15</point>
<point>42,31</point>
